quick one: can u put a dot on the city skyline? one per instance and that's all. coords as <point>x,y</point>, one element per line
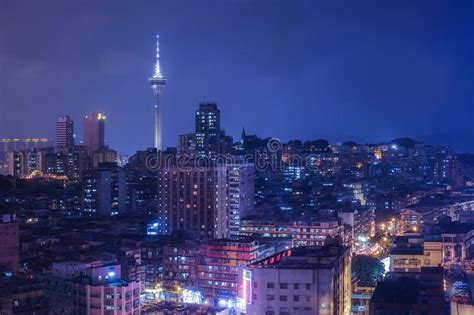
<point>320,81</point>
<point>307,157</point>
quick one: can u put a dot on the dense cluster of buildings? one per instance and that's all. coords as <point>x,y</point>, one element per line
<point>253,226</point>
<point>217,226</point>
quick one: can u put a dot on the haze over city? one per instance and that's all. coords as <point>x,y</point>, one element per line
<point>367,71</point>
<point>250,157</point>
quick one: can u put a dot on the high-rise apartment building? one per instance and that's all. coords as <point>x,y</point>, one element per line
<point>411,221</point>
<point>208,130</point>
<point>94,289</point>
<point>104,190</point>
<point>411,293</point>
<point>25,162</point>
<point>193,199</point>
<point>301,280</point>
<point>10,244</point>
<point>241,190</point>
<point>22,295</point>
<point>104,155</point>
<point>61,161</point>
<point>64,131</point>
<point>218,269</point>
<point>94,132</point>
<point>16,163</point>
<point>76,161</point>
<point>208,140</point>
<point>317,231</point>
<point>180,264</point>
<point>187,144</point>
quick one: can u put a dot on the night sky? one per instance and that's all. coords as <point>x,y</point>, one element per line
<point>343,70</point>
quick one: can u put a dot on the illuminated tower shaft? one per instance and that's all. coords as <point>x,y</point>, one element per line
<point>158,87</point>
<point>157,83</point>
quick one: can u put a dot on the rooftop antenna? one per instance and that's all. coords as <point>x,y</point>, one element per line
<point>157,73</point>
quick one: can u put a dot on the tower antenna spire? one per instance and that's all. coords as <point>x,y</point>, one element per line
<point>157,73</point>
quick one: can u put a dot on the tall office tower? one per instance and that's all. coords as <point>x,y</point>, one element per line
<point>241,188</point>
<point>104,190</point>
<point>157,82</point>
<point>64,131</point>
<point>94,132</point>
<point>194,199</point>
<point>208,130</point>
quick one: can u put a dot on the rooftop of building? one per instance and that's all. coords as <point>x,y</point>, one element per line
<point>402,290</point>
<point>262,220</point>
<point>433,238</point>
<point>233,241</point>
<point>456,228</point>
<point>407,251</point>
<point>180,308</point>
<point>307,257</point>
<point>316,221</point>
<point>439,200</point>
<point>14,284</point>
<point>407,238</point>
<point>106,283</point>
<point>300,221</point>
<point>405,288</point>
